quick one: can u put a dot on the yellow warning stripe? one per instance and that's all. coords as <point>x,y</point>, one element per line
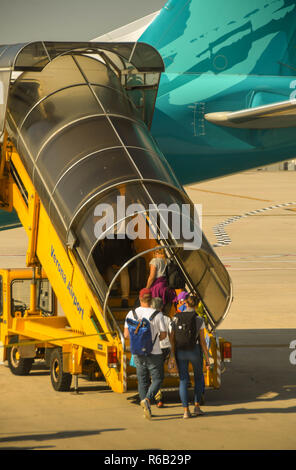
<point>124,374</point>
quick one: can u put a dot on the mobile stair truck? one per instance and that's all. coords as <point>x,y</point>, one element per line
<point>75,121</point>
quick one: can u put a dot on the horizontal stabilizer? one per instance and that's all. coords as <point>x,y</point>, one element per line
<point>129,32</point>
<point>271,116</point>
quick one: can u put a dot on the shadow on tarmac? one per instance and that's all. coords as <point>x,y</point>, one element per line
<point>28,448</point>
<point>54,436</point>
<point>237,411</point>
<point>260,373</point>
<point>40,369</point>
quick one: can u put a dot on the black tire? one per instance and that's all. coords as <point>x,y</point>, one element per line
<point>18,365</point>
<point>61,381</point>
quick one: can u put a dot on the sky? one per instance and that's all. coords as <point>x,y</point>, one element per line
<point>68,20</point>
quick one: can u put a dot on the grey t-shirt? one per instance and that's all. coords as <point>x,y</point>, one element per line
<point>160,264</point>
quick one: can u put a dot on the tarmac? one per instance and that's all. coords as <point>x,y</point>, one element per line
<point>255,408</point>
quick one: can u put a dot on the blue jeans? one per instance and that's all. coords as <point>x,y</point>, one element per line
<point>183,358</point>
<point>150,374</point>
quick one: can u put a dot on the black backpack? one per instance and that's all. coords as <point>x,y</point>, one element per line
<point>186,330</point>
<point>174,276</point>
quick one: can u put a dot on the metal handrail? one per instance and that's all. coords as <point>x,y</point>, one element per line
<point>178,245</point>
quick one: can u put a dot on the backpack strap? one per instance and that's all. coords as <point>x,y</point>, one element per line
<point>200,320</point>
<point>135,314</point>
<point>152,318</point>
<point>154,315</point>
<point>137,319</point>
<point>153,343</point>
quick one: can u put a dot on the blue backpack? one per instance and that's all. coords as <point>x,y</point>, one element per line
<point>141,342</point>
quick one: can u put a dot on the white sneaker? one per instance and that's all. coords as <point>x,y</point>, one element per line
<point>146,407</point>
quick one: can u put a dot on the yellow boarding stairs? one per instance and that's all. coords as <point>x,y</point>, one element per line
<point>75,135</point>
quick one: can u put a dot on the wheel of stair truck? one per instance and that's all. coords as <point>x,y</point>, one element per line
<point>17,364</point>
<point>61,381</point>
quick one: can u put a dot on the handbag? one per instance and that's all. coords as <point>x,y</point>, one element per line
<point>172,366</point>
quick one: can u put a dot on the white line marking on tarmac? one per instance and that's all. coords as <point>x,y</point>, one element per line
<point>220,233</point>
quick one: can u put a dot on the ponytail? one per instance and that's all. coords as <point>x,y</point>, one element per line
<point>192,301</point>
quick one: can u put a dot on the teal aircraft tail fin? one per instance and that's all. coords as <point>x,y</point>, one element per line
<point>234,37</point>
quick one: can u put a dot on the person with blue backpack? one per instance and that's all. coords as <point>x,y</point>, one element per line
<point>145,328</point>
